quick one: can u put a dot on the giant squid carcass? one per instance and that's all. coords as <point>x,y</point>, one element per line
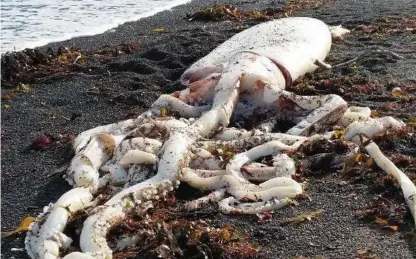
<point>243,77</point>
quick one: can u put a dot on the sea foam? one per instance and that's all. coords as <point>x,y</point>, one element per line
<point>33,23</point>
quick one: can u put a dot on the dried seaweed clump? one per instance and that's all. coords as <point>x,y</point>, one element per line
<point>23,67</point>
<point>388,25</point>
<point>395,99</point>
<point>220,12</point>
<point>293,5</point>
<point>223,12</point>
<point>402,139</point>
<point>366,254</point>
<point>385,213</point>
<point>16,65</point>
<point>167,232</point>
<point>321,156</point>
<point>345,85</point>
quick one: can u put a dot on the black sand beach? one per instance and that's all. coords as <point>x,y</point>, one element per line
<point>105,90</point>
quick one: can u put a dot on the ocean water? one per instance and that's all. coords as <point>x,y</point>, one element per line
<point>33,23</point>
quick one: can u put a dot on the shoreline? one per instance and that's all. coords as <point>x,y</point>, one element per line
<point>101,29</point>
<point>109,90</point>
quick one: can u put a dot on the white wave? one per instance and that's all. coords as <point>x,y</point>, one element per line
<point>34,23</point>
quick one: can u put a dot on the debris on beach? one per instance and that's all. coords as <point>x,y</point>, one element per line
<point>366,254</point>
<point>48,141</point>
<point>223,12</point>
<point>167,233</point>
<point>15,65</point>
<point>387,25</point>
<point>308,257</point>
<point>23,67</point>
<point>220,12</point>
<point>321,156</point>
<point>408,187</point>
<point>23,226</point>
<point>160,30</point>
<point>307,216</point>
<point>265,216</point>
<point>293,5</point>
<point>386,213</point>
<point>67,55</point>
<point>8,95</point>
<point>105,53</point>
<point>364,89</point>
<point>130,47</point>
<point>239,28</point>
<point>42,143</point>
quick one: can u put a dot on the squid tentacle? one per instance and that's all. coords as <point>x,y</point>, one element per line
<point>175,155</point>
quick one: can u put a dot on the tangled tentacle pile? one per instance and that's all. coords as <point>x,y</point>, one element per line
<point>185,137</point>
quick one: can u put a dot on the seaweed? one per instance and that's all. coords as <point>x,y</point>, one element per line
<point>168,232</point>
<point>47,141</point>
<point>366,254</point>
<point>220,12</point>
<point>24,67</point>
<point>223,12</point>
<point>396,99</point>
<point>385,26</point>
<point>7,96</point>
<point>384,213</point>
<point>324,146</point>
<point>320,156</point>
<point>343,85</point>
<point>307,216</point>
<point>292,5</point>
<point>23,226</point>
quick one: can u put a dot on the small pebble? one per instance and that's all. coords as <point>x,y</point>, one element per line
<point>17,249</point>
<point>396,89</point>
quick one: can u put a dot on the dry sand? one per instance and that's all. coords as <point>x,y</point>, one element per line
<point>107,91</point>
